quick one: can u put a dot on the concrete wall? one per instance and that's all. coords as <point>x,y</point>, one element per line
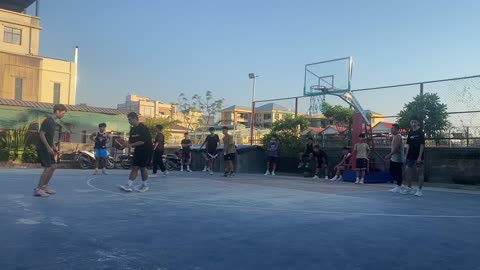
<point>30,32</point>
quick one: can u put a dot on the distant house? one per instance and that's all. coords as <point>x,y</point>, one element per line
<point>265,115</point>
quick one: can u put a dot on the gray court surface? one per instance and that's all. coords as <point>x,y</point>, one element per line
<point>202,222</point>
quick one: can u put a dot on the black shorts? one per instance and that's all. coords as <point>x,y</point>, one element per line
<point>212,153</point>
<point>362,163</point>
<point>229,157</point>
<point>272,159</point>
<point>413,162</point>
<point>46,159</point>
<point>140,159</point>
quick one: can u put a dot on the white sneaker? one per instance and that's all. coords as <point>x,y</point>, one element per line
<point>406,191</point>
<point>142,188</point>
<point>273,173</point>
<point>211,172</point>
<point>205,169</point>
<point>334,178</point>
<point>104,172</point>
<point>267,173</point>
<point>315,177</point>
<point>188,170</point>
<point>357,180</point>
<point>166,173</point>
<point>361,181</point>
<point>181,169</point>
<point>153,175</point>
<point>396,189</point>
<point>340,178</point>
<point>126,188</point>
<point>419,193</point>
<point>326,177</point>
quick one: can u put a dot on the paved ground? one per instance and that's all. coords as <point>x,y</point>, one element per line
<point>195,221</point>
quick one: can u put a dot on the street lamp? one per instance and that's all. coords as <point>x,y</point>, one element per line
<point>252,122</point>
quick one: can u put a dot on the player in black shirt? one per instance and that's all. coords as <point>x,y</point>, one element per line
<point>307,154</point>
<point>141,140</point>
<point>158,149</point>
<point>415,147</point>
<point>212,142</point>
<point>46,151</point>
<point>186,157</point>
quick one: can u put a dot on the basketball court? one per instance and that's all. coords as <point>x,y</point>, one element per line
<point>197,221</point>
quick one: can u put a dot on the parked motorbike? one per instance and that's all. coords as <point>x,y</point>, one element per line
<point>86,160</point>
<point>172,161</point>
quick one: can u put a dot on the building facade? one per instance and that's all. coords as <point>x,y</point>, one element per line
<point>24,74</point>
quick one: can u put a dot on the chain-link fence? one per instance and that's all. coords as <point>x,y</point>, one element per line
<point>460,95</point>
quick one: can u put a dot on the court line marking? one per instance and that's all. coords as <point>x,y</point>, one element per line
<point>89,183</point>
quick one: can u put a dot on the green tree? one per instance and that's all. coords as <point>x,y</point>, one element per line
<point>288,132</point>
<point>187,108</point>
<point>431,112</point>
<point>341,116</point>
<point>167,124</point>
<point>208,106</point>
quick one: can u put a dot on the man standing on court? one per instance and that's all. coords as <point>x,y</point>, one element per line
<point>272,155</point>
<point>228,152</point>
<point>158,149</point>
<point>141,140</point>
<point>212,142</point>
<point>415,147</point>
<point>396,158</point>
<point>101,138</point>
<point>46,151</point>
<point>186,157</point>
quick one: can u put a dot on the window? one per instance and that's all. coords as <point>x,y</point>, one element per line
<point>267,116</point>
<point>277,116</point>
<point>12,35</point>
<point>148,111</point>
<point>18,88</point>
<point>56,93</point>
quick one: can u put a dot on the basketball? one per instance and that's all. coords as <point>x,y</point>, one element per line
<point>119,143</point>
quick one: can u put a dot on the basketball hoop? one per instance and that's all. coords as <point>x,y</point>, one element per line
<point>319,88</point>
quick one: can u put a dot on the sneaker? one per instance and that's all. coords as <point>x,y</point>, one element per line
<point>153,175</point>
<point>406,191</point>
<point>38,192</point>
<point>188,170</point>
<point>48,190</point>
<point>413,191</point>
<point>181,169</point>
<point>334,178</point>
<point>273,173</point>
<point>326,177</point>
<point>165,173</point>
<point>267,173</point>
<point>357,180</point>
<point>211,172</point>
<point>104,172</point>
<point>126,188</point>
<point>225,174</point>
<point>205,169</point>
<point>306,165</point>
<point>361,181</point>
<point>419,193</point>
<point>315,177</point>
<point>96,172</point>
<point>340,178</point>
<point>396,189</point>
<point>300,165</point>
<point>143,188</point>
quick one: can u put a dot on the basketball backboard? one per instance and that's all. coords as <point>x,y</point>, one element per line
<point>328,77</point>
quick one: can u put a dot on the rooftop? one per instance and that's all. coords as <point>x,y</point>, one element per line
<point>16,5</point>
<point>75,108</point>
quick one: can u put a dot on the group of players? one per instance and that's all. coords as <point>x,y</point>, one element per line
<point>411,153</point>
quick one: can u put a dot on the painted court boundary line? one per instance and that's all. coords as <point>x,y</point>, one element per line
<point>89,183</point>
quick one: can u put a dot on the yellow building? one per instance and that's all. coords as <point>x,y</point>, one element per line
<point>24,75</point>
<point>265,115</point>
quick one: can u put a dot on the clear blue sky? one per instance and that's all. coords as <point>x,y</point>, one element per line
<point>161,48</point>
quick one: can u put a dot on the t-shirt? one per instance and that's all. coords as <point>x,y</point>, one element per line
<point>362,149</point>
<point>160,141</point>
<point>414,140</point>
<point>228,144</point>
<point>270,146</point>
<point>212,142</point>
<point>101,140</point>
<point>346,158</point>
<point>48,126</point>
<point>141,133</point>
<point>308,148</point>
<point>186,149</point>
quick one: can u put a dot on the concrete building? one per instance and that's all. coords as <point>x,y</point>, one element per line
<point>265,115</point>
<point>24,74</point>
